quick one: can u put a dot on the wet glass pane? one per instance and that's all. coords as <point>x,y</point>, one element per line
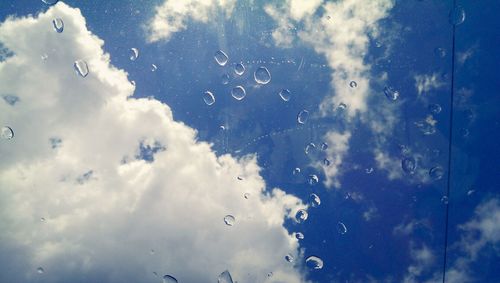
<point>248,141</point>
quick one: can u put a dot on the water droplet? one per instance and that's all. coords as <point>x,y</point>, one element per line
<point>246,195</point>
<point>238,93</point>
<point>289,258</point>
<point>342,106</point>
<point>40,270</point>
<point>11,99</point>
<point>239,69</point>
<point>229,220</point>
<point>369,170</point>
<point>440,52</point>
<point>409,165</point>
<point>209,98</point>
<point>326,162</point>
<point>262,75</point>
<point>225,79</point>
<point>44,57</point>
<point>152,251</point>
<point>299,236</point>
<point>435,108</point>
<point>436,172</point>
<point>50,2</point>
<point>239,178</point>
<point>464,132</point>
<point>132,82</point>
<point>314,262</point>
<point>285,94</point>
<point>314,200</point>
<point>6,133</point>
<point>457,15</point>
<point>153,68</point>
<point>81,68</point>
<point>313,179</point>
<point>58,25</point>
<point>391,93</point>
<point>303,116</point>
<point>470,192</point>
<point>270,274</point>
<point>301,215</point>
<point>221,58</point>
<point>134,54</point>
<point>341,228</point>
<point>169,279</point>
<point>309,148</point>
<point>296,171</point>
<point>324,146</point>
<point>42,219</point>
<point>225,277</point>
<point>444,200</point>
<point>353,84</point>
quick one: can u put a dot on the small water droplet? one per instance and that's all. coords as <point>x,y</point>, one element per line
<point>221,58</point>
<point>434,108</point>
<point>342,106</point>
<point>353,84</point>
<point>238,93</point>
<point>153,68</point>
<point>444,200</point>
<point>229,220</point>
<point>302,116</point>
<point>209,98</point>
<point>224,79</point>
<point>369,170</point>
<point>262,75</point>
<point>225,277</point>
<point>314,262</point>
<point>81,68</point>
<point>296,171</point>
<point>301,215</point>
<point>324,146</point>
<point>285,94</point>
<point>309,148</point>
<point>436,172</point>
<point>470,192</point>
<point>50,2</point>
<point>270,274</point>
<point>58,25</point>
<point>42,219</point>
<point>391,93</point>
<point>6,133</point>
<point>409,165</point>
<point>313,179</point>
<point>40,270</point>
<point>246,195</point>
<point>440,52</point>
<point>239,178</point>
<point>169,279</point>
<point>464,132</point>
<point>134,53</point>
<point>341,228</point>
<point>152,251</point>
<point>299,236</point>
<point>326,162</point>
<point>44,57</point>
<point>289,258</point>
<point>239,69</point>
<point>457,15</point>
<point>314,200</point>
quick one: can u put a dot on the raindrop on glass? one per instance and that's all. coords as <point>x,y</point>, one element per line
<point>314,200</point>
<point>50,2</point>
<point>225,277</point>
<point>285,94</point>
<point>169,279</point>
<point>409,165</point>
<point>238,93</point>
<point>40,270</point>
<point>221,58</point>
<point>303,116</point>
<point>369,170</point>
<point>299,236</point>
<point>239,177</point>
<point>391,93</point>
<point>353,84</point>
<point>314,262</point>
<point>457,15</point>
<point>326,162</point>
<point>246,195</point>
<point>224,79</point>
<point>229,220</point>
<point>440,52</point>
<point>313,179</point>
<point>44,57</point>
<point>309,148</point>
<point>324,146</point>
<point>289,258</point>
<point>81,68</point>
<point>444,200</point>
<point>58,25</point>
<point>153,68</point>
<point>435,108</point>
<point>436,172</point>
<point>301,215</point>
<point>296,171</point>
<point>6,133</point>
<point>341,228</point>
<point>239,69</point>
<point>42,219</point>
<point>209,98</point>
<point>262,75</point>
<point>134,53</point>
<point>342,106</point>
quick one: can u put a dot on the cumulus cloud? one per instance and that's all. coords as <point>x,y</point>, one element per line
<point>124,190</point>
<point>425,83</point>
<point>338,145</point>
<point>172,16</point>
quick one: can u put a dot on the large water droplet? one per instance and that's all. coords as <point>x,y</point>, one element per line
<point>313,179</point>
<point>238,93</point>
<point>436,172</point>
<point>50,2</point>
<point>224,79</point>
<point>314,262</point>
<point>81,68</point>
<point>314,200</point>
<point>409,165</point>
<point>457,15</point>
<point>341,228</point>
<point>262,75</point>
<point>289,258</point>
<point>58,25</point>
<point>229,220</point>
<point>134,53</point>
<point>209,98</point>
<point>285,94</point>
<point>239,69</point>
<point>391,93</point>
<point>309,148</point>
<point>225,277</point>
<point>6,133</point>
<point>299,236</point>
<point>303,116</point>
<point>221,58</point>
<point>301,215</point>
<point>40,270</point>
<point>353,84</point>
<point>169,279</point>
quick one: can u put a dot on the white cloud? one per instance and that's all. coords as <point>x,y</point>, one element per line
<point>105,208</point>
<point>172,16</point>
<point>422,258</point>
<point>338,145</point>
<point>425,83</point>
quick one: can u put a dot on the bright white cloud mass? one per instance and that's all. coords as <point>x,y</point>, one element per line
<point>108,214</point>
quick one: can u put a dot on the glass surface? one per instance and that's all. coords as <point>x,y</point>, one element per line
<point>249,141</point>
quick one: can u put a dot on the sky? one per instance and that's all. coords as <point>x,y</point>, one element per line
<point>129,153</point>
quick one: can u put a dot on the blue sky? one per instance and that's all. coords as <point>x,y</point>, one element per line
<point>164,165</point>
